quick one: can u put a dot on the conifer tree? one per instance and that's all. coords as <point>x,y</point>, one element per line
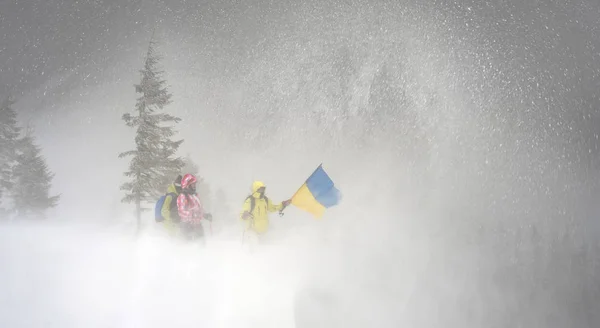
<point>9,135</point>
<point>153,164</point>
<point>31,181</point>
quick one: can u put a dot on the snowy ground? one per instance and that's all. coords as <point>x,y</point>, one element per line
<point>81,276</point>
<point>74,277</point>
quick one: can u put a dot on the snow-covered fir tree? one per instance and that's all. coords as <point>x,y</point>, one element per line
<point>153,164</point>
<point>31,181</point>
<point>9,135</point>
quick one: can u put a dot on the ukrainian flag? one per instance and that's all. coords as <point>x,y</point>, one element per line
<point>317,193</point>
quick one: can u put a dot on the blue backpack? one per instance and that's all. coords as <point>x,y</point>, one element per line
<point>158,217</point>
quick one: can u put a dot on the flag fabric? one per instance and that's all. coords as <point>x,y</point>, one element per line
<point>317,193</point>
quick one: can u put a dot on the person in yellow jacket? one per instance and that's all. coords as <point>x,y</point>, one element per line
<point>169,208</point>
<point>256,209</point>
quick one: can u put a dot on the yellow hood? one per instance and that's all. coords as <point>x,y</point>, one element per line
<point>255,186</point>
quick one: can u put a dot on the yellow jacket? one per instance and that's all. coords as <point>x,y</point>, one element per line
<point>259,222</point>
<point>166,212</point>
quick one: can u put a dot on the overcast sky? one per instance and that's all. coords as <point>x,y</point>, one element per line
<point>72,66</point>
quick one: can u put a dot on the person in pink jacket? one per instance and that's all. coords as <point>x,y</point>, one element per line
<point>190,210</point>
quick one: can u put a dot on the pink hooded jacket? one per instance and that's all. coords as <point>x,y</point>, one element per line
<point>188,205</point>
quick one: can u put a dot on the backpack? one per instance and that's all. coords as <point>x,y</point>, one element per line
<point>159,205</point>
<point>253,202</point>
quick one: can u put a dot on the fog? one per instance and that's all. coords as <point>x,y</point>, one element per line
<point>463,136</point>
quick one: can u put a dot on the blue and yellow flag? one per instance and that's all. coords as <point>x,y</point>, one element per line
<point>317,193</point>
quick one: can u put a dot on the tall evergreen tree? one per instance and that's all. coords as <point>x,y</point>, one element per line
<point>154,164</point>
<point>32,181</point>
<point>9,135</point>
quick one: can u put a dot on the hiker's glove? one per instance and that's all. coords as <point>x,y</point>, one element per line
<point>246,216</point>
<point>286,203</point>
<point>208,216</point>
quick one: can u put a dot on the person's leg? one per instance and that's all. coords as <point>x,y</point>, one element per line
<point>169,227</point>
<point>251,240</point>
<point>199,234</point>
<point>186,231</point>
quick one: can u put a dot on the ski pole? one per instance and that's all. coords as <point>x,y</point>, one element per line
<point>247,228</point>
